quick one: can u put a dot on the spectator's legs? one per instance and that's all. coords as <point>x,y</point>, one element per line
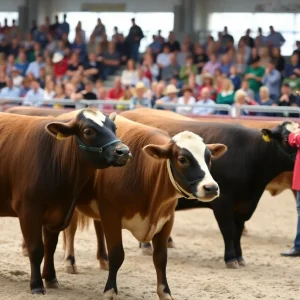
<point>135,51</point>
<point>297,239</point>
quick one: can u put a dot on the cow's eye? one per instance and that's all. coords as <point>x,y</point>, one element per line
<point>182,160</point>
<point>88,132</point>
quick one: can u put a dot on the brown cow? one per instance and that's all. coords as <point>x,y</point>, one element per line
<point>44,165</point>
<point>150,186</point>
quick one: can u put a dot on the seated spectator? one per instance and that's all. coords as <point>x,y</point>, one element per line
<point>170,96</point>
<point>28,43</point>
<point>141,77</point>
<point>292,70</point>
<point>116,92</point>
<point>187,99</point>
<point>219,76</point>
<point>192,83</point>
<point>10,64</point>
<point>158,92</point>
<point>92,68</point>
<point>188,42</point>
<point>264,57</point>
<point>226,95</point>
<point>26,84</point>
<point>246,89</point>
<point>9,91</point>
<point>212,65</point>
<point>22,63</point>
<point>35,66</point>
<point>138,99</point>
<point>150,68</point>
<point>182,55</point>
<point>130,74</point>
<point>200,57</point>
<point>52,44</point>
<point>59,94</point>
<point>178,83</point>
<point>79,47</point>
<point>272,80</point>
<point>254,55</point>
<point>254,75</point>
<point>241,98</point>
<point>241,64</point>
<point>60,65</point>
<point>49,91</point>
<point>265,100</point>
<point>101,90</point>
<point>286,98</point>
<point>16,77</point>
<point>204,100</point>
<point>42,78</point>
<point>172,43</point>
<point>111,60</point>
<point>35,95</point>
<point>163,59</point>
<point>279,59</point>
<point>225,65</point>
<point>155,45</point>
<point>49,70</point>
<point>88,92</point>
<point>77,81</point>
<point>235,78</point>
<point>14,47</point>
<point>188,69</point>
<point>126,97</point>
<point>171,70</point>
<point>208,83</point>
<point>74,66</point>
<point>40,36</point>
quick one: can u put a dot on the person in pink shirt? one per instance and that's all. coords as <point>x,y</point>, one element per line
<point>212,65</point>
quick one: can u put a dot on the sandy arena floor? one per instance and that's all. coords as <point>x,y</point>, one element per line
<point>195,271</point>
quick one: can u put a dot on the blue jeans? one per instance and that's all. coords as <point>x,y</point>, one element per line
<point>297,239</point>
<point>135,51</point>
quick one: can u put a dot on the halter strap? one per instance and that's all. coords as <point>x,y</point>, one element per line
<point>95,149</point>
<point>177,187</point>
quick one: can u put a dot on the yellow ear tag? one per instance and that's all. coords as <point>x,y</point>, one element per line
<point>60,136</point>
<point>266,138</point>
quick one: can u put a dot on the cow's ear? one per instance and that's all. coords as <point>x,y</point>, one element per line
<point>158,151</point>
<point>266,135</point>
<point>217,150</point>
<point>61,130</point>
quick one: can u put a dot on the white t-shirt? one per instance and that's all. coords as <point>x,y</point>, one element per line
<point>185,109</point>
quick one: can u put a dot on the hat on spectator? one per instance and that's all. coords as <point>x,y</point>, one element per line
<point>57,57</point>
<point>171,89</point>
<point>139,86</point>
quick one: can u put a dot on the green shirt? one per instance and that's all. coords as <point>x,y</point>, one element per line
<point>227,98</point>
<point>184,76</point>
<point>255,85</point>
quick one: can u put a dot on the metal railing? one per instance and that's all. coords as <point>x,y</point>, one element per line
<point>235,112</point>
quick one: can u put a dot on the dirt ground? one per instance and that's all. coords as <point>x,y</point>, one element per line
<point>195,270</point>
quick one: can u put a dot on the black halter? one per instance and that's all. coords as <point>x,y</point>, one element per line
<point>95,149</point>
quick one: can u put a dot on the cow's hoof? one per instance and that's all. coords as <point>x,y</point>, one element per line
<point>232,264</point>
<point>147,251</point>
<point>171,245</point>
<point>242,262</point>
<point>25,252</point>
<point>104,264</point>
<point>52,284</point>
<point>70,269</point>
<point>110,295</point>
<point>38,291</point>
<point>166,297</point>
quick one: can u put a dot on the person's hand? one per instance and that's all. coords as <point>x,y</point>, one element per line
<point>297,71</point>
<point>284,98</point>
<point>267,71</point>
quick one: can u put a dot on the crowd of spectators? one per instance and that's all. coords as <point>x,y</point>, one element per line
<point>43,65</point>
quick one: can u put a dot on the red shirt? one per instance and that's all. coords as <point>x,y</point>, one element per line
<point>61,68</point>
<point>113,94</point>
<point>294,141</point>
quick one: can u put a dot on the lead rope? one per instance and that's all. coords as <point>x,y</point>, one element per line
<point>178,188</point>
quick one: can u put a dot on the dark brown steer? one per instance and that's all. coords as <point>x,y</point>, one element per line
<point>145,193</point>
<point>45,163</point>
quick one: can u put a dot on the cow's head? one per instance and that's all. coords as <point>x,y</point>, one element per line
<point>280,134</point>
<point>95,135</point>
<point>189,160</point>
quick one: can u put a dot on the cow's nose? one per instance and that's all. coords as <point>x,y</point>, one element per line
<point>211,189</point>
<point>124,152</point>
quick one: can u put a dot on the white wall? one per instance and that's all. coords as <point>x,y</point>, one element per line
<point>11,5</point>
<point>131,5</point>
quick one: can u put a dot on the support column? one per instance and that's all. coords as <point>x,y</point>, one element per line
<point>45,9</point>
<point>32,7</point>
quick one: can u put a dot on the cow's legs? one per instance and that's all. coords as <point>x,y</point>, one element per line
<point>101,247</point>
<point>50,242</point>
<point>31,227</point>
<point>160,257</point>
<point>69,235</point>
<point>113,234</point>
<point>238,248</point>
<point>147,247</point>
<point>24,248</point>
<point>225,219</point>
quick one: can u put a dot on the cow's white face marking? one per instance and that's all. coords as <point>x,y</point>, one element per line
<point>97,117</point>
<point>195,145</point>
<point>292,126</point>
